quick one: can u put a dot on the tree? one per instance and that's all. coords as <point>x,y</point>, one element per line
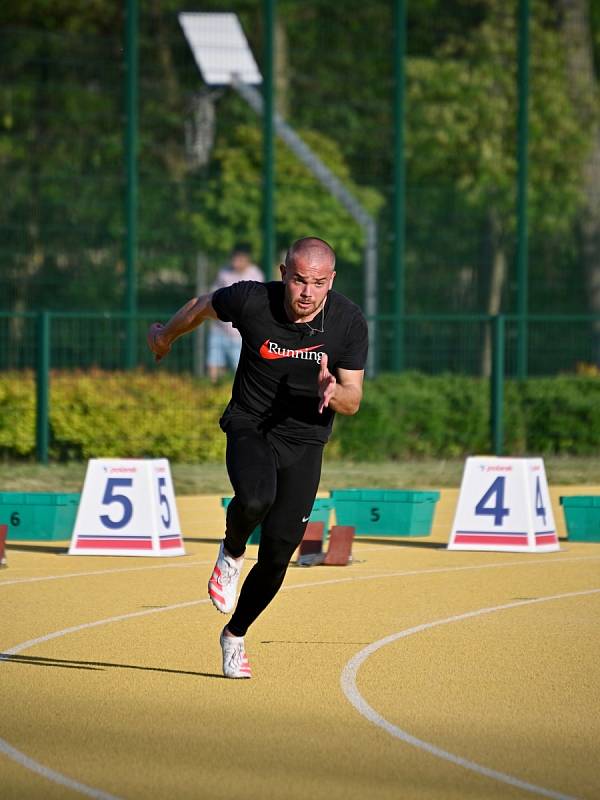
<point>462,134</point>
<point>228,208</point>
<point>585,92</point>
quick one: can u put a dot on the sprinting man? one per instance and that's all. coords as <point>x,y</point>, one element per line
<point>303,356</point>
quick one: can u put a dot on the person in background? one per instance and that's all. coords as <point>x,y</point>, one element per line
<point>224,341</point>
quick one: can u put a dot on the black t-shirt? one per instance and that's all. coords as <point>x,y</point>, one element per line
<point>275,386</point>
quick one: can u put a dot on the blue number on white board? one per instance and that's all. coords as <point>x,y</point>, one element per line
<point>111,497</point>
<point>498,510</point>
<point>539,502</point>
<point>164,500</point>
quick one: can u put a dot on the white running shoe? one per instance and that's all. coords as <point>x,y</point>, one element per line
<point>222,586</point>
<point>235,660</point>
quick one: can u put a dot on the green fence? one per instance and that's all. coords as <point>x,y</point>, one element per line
<point>468,131</point>
<point>477,346</point>
<point>430,343</point>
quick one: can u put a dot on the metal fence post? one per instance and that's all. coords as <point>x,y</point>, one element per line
<point>522,189</point>
<point>43,386</point>
<point>131,173</point>
<point>497,385</point>
<point>399,205</point>
<point>268,209</point>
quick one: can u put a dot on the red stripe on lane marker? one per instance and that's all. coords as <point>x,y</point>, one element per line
<point>545,538</point>
<point>166,543</point>
<point>488,538</point>
<point>115,544</point>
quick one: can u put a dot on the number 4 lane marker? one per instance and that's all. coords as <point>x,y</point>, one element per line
<point>504,504</point>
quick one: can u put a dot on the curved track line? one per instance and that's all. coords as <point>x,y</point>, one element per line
<point>528,562</point>
<point>350,689</point>
<point>24,760</point>
<point>51,775</point>
<point>100,572</point>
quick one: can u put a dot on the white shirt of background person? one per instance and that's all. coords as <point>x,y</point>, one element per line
<point>240,268</point>
<point>224,341</point>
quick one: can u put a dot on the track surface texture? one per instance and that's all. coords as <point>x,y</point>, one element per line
<point>414,672</point>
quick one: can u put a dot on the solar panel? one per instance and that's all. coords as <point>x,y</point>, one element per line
<point>220,48</point>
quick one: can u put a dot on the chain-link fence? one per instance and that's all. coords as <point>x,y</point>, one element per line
<point>433,344</point>
<point>200,165</point>
<point>70,346</point>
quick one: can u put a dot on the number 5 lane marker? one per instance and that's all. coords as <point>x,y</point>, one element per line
<point>350,689</point>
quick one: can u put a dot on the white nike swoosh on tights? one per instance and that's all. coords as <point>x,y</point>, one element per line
<point>305,519</point>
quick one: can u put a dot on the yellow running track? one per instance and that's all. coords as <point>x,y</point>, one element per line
<point>413,673</point>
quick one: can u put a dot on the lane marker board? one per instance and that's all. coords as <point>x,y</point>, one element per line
<point>504,505</point>
<point>127,508</point>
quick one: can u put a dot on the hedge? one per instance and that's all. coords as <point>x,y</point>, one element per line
<point>143,414</point>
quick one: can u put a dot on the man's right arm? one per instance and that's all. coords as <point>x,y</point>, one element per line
<point>160,337</point>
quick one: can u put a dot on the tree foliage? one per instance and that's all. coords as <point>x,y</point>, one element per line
<point>61,148</point>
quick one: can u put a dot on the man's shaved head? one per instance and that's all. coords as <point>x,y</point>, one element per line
<point>312,249</point>
<point>308,275</point>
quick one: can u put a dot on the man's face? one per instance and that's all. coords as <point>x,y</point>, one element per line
<point>307,281</point>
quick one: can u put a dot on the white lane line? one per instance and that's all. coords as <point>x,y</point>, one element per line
<point>546,560</point>
<point>438,570</point>
<point>309,584</point>
<point>556,560</point>
<point>101,572</point>
<point>51,775</point>
<point>6,748</point>
<point>350,689</point>
<point>18,648</point>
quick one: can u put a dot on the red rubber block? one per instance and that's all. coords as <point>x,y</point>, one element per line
<point>339,553</point>
<point>312,541</point>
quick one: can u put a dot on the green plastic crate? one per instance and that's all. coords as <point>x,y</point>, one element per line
<point>320,513</point>
<point>41,516</point>
<point>582,517</point>
<point>385,512</point>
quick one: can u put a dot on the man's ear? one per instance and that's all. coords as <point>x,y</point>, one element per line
<point>331,280</point>
<point>282,270</point>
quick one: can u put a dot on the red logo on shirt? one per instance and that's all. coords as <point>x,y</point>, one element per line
<point>271,350</point>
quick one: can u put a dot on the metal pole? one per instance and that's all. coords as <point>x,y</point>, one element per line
<point>131,172</point>
<point>497,385</point>
<point>399,206</point>
<point>522,185</point>
<point>337,189</point>
<point>371,297</point>
<point>42,380</point>
<point>200,333</point>
<point>268,139</point>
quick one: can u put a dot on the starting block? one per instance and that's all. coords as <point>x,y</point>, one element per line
<point>3,532</point>
<point>339,552</point>
<point>311,547</point>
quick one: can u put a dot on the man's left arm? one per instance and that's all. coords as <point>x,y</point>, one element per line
<point>342,393</point>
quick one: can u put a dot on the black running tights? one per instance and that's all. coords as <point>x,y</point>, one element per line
<point>275,484</point>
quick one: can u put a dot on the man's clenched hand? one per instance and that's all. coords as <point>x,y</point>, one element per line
<point>327,384</point>
<point>157,341</point>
